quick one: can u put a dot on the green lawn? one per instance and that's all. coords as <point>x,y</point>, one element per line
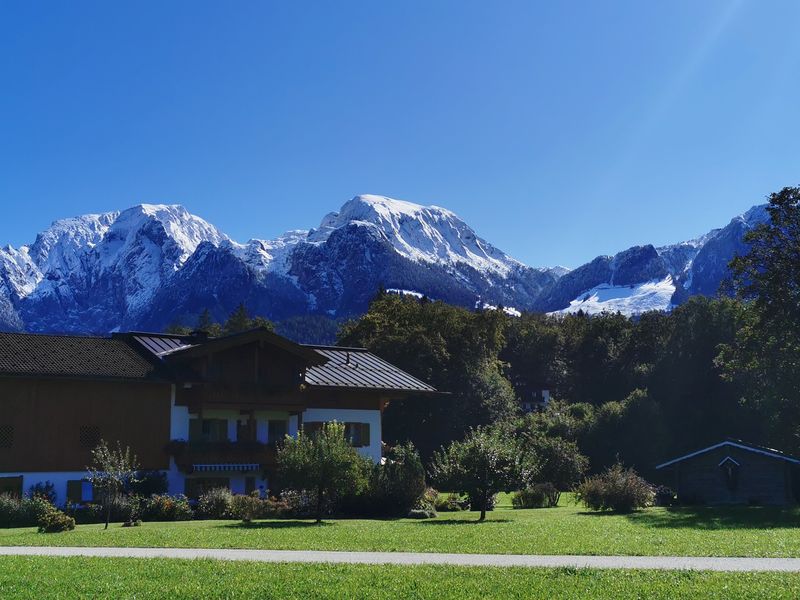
<point>43,578</point>
<point>568,529</point>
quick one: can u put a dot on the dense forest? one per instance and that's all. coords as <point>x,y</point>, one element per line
<point>636,390</point>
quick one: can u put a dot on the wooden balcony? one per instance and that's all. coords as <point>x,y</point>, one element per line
<point>242,394</point>
<point>188,455</point>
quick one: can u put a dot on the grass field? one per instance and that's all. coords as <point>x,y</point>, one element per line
<point>568,529</point>
<point>44,578</point>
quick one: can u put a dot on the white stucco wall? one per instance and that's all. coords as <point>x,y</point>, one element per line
<point>344,415</point>
<point>57,478</point>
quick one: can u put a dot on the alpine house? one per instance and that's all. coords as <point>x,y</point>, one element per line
<point>205,411</point>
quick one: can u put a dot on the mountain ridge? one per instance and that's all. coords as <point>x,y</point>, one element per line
<point>155,264</point>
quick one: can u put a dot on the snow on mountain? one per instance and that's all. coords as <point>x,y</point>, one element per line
<point>420,233</point>
<point>152,265</point>
<point>628,299</point>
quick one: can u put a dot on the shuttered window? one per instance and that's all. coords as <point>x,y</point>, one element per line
<point>355,433</point>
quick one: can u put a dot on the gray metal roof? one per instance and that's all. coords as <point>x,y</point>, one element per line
<point>25,354</point>
<point>161,345</point>
<point>359,368</point>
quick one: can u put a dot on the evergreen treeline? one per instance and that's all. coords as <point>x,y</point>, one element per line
<point>638,390</point>
<point>635,390</point>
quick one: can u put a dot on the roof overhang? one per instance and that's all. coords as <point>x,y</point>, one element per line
<point>261,334</point>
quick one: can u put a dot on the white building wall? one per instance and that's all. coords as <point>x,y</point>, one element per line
<point>57,478</point>
<point>345,415</point>
<point>178,420</point>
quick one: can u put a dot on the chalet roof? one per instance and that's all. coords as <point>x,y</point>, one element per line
<point>734,443</point>
<point>24,354</point>
<point>236,339</point>
<point>359,368</point>
<point>139,355</point>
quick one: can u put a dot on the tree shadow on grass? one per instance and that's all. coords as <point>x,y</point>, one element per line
<point>717,518</point>
<point>463,521</point>
<point>275,525</point>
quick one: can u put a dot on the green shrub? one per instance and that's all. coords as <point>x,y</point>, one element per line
<point>538,495</point>
<point>451,503</point>
<point>247,507</point>
<point>398,485</point>
<point>215,504</point>
<point>617,489</point>
<point>44,489</point>
<point>55,521</point>
<point>123,508</point>
<point>167,508</point>
<point>22,512</point>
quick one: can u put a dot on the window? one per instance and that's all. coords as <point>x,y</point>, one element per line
<point>197,486</point>
<point>357,434</point>
<point>208,430</point>
<point>11,485</point>
<point>79,491</point>
<point>6,436</point>
<point>277,430</point>
<point>89,436</point>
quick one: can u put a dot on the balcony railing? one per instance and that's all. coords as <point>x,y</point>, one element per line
<point>188,454</point>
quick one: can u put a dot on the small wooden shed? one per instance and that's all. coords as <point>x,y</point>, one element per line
<point>733,472</point>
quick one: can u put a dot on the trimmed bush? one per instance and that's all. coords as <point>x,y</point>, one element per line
<point>215,504</point>
<point>538,495</point>
<point>421,513</point>
<point>247,507</point>
<point>167,508</point>
<point>55,521</point>
<point>617,489</point>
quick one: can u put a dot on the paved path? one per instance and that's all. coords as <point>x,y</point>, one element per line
<point>420,558</point>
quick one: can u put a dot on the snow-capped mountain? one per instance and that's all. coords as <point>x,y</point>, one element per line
<point>646,278</point>
<point>153,265</point>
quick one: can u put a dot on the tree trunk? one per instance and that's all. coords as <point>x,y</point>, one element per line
<point>108,508</point>
<point>485,499</point>
<point>319,504</point>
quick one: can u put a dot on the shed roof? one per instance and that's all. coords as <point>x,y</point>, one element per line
<point>359,368</point>
<point>734,443</point>
<point>24,354</point>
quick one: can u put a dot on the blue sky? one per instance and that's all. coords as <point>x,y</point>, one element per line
<point>559,130</point>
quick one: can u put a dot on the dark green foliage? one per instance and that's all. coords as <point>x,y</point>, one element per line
<point>763,356</point>
<point>538,495</point>
<point>453,349</point>
<point>484,463</point>
<point>215,504</point>
<point>44,489</point>
<point>323,464</point>
<point>167,508</point>
<point>399,483</point>
<point>22,512</point>
<point>55,521</point>
<point>617,489</point>
<point>309,329</point>
<point>451,503</point>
